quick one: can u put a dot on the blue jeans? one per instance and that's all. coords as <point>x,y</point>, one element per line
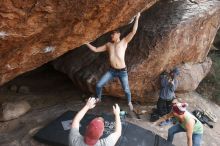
<point>196,138</point>
<point>123,77</point>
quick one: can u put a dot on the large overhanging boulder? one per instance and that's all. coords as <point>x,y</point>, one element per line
<point>170,33</point>
<point>33,32</point>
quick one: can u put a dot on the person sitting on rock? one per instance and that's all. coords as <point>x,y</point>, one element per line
<point>168,87</point>
<point>186,122</point>
<point>94,129</point>
<point>116,49</point>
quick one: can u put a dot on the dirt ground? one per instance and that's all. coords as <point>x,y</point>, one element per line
<point>52,93</point>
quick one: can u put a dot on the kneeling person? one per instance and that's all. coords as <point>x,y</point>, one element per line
<point>167,92</point>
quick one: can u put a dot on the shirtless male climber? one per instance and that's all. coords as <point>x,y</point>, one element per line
<point>116,49</point>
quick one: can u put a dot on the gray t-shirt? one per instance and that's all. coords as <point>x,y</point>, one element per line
<point>76,139</point>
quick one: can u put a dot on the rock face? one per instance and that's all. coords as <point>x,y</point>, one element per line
<point>192,74</point>
<point>35,32</point>
<point>14,110</point>
<point>217,40</point>
<point>170,33</point>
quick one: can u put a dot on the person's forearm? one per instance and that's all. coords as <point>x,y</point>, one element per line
<point>135,25</point>
<point>91,47</point>
<point>164,118</point>
<point>118,127</point>
<point>189,142</point>
<point>189,134</point>
<point>175,84</point>
<point>172,87</point>
<point>80,114</point>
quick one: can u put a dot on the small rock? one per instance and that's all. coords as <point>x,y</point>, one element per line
<point>13,110</point>
<point>24,89</point>
<point>13,88</point>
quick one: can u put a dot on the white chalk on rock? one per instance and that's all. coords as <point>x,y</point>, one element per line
<point>49,49</point>
<point>3,34</point>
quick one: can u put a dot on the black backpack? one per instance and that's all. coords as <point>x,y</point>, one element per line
<point>204,119</point>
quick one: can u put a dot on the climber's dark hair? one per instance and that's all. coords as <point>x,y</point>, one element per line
<point>115,31</point>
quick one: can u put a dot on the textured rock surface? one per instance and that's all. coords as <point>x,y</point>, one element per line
<point>170,33</point>
<point>33,32</point>
<point>217,40</point>
<point>13,110</point>
<point>192,74</point>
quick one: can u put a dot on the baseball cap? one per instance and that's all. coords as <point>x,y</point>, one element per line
<point>94,131</point>
<point>179,108</point>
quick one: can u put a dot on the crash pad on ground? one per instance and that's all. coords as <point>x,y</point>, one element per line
<point>57,132</point>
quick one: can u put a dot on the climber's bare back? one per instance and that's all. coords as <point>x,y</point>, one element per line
<point>117,54</point>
